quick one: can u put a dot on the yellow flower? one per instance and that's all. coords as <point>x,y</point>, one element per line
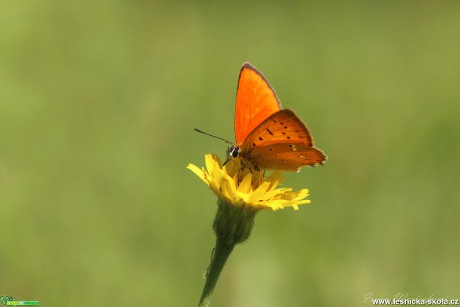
<point>241,193</point>
<point>243,187</point>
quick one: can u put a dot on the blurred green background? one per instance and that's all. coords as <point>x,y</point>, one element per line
<point>97,105</point>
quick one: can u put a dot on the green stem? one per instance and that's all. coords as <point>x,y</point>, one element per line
<point>232,225</point>
<point>222,251</point>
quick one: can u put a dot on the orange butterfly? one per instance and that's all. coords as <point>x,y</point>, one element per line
<point>267,136</point>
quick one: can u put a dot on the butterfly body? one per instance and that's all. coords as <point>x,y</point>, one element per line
<point>267,136</point>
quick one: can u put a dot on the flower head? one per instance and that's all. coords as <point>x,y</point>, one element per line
<point>246,187</point>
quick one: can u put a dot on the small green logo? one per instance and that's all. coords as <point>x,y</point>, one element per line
<point>9,301</point>
<point>5,298</point>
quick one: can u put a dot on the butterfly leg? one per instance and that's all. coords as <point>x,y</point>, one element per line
<point>244,165</point>
<point>261,176</point>
<point>254,169</point>
<point>239,175</point>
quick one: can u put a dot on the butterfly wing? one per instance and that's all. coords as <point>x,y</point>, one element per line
<point>255,101</point>
<point>282,142</point>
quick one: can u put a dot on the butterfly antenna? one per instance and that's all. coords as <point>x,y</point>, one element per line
<point>198,130</point>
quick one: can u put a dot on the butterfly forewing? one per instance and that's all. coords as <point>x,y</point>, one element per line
<point>255,101</point>
<point>282,142</point>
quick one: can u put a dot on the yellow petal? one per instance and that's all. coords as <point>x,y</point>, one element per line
<point>199,172</point>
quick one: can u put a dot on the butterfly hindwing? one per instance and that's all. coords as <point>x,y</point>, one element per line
<point>282,141</point>
<point>255,101</point>
<point>287,157</point>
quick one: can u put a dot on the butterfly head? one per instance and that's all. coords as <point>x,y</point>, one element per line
<point>232,152</point>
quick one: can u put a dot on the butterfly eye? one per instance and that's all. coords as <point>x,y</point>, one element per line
<point>234,151</point>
